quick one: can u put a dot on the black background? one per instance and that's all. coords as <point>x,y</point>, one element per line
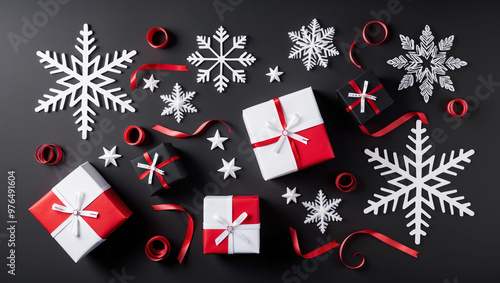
<point>463,249</point>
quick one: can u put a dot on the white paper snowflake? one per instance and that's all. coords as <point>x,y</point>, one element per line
<point>426,63</point>
<point>178,103</point>
<point>321,211</point>
<point>313,45</point>
<point>84,80</point>
<point>419,182</point>
<point>221,59</point>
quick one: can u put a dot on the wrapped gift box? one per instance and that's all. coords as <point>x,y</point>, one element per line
<point>81,211</point>
<point>364,97</point>
<point>231,225</point>
<point>287,134</point>
<point>159,168</point>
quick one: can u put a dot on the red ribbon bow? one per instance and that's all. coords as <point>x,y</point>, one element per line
<point>164,163</point>
<point>367,99</point>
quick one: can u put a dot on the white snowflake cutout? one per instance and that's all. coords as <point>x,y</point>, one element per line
<point>419,182</point>
<point>178,103</point>
<point>313,45</point>
<point>85,80</point>
<point>322,211</point>
<point>426,53</point>
<point>221,59</point>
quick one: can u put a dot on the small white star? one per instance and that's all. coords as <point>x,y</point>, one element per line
<point>110,156</point>
<point>229,168</point>
<point>217,141</point>
<point>151,83</point>
<point>291,195</point>
<point>274,74</point>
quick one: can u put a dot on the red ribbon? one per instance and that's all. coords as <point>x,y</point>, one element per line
<point>52,159</point>
<point>281,117</point>
<point>371,23</point>
<point>371,102</point>
<point>350,55</point>
<point>189,232</point>
<point>181,135</point>
<point>451,110</point>
<point>140,137</point>
<point>349,187</point>
<point>389,128</point>
<point>380,237</point>
<point>155,254</point>
<point>334,244</point>
<point>164,163</point>
<point>150,35</point>
<point>167,67</point>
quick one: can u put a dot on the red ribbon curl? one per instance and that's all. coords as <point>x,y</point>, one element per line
<point>343,187</point>
<point>152,32</point>
<point>167,67</point>
<point>155,254</point>
<point>53,158</point>
<point>181,135</point>
<point>398,122</point>
<point>451,110</point>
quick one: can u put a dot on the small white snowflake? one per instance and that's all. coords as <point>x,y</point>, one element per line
<point>426,63</point>
<point>419,182</point>
<point>85,79</point>
<point>313,45</point>
<point>221,59</point>
<point>321,211</point>
<point>178,103</point>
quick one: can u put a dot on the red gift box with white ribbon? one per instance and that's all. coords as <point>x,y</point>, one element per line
<point>287,134</point>
<point>81,211</point>
<point>231,224</point>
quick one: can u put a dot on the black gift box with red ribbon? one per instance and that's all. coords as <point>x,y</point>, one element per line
<point>166,171</point>
<point>365,89</point>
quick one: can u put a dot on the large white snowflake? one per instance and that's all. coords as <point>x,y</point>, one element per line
<point>419,182</point>
<point>84,80</point>
<point>313,45</point>
<point>221,59</point>
<point>321,211</point>
<point>178,103</point>
<point>426,63</point>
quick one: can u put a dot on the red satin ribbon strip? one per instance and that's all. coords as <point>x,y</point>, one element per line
<point>167,67</point>
<point>371,102</point>
<point>451,110</point>
<point>350,55</point>
<point>181,135</point>
<point>164,163</point>
<point>398,122</point>
<point>52,158</point>
<point>312,254</point>
<point>346,188</point>
<point>189,232</point>
<point>140,137</point>
<point>380,237</point>
<point>155,254</point>
<point>372,23</point>
<point>152,32</point>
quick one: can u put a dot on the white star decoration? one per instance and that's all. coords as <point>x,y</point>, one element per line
<point>291,195</point>
<point>151,83</point>
<point>217,141</point>
<point>274,74</point>
<point>229,168</point>
<point>110,156</point>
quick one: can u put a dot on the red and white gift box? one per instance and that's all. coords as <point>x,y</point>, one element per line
<point>231,225</point>
<point>287,134</point>
<point>81,211</point>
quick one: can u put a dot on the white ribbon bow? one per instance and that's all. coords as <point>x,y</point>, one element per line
<point>152,168</point>
<point>363,96</point>
<point>77,211</point>
<point>286,132</point>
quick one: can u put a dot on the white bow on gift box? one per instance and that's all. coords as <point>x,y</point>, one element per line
<point>77,211</point>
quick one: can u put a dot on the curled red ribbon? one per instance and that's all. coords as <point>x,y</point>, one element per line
<point>190,229</point>
<point>181,135</point>
<point>164,163</point>
<point>350,55</point>
<point>334,244</point>
<point>372,23</point>
<point>140,138</point>
<point>398,122</point>
<point>40,153</point>
<point>350,186</point>
<point>155,254</point>
<point>167,67</point>
<point>451,110</point>
<point>380,237</point>
<point>371,102</point>
<point>152,32</point>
